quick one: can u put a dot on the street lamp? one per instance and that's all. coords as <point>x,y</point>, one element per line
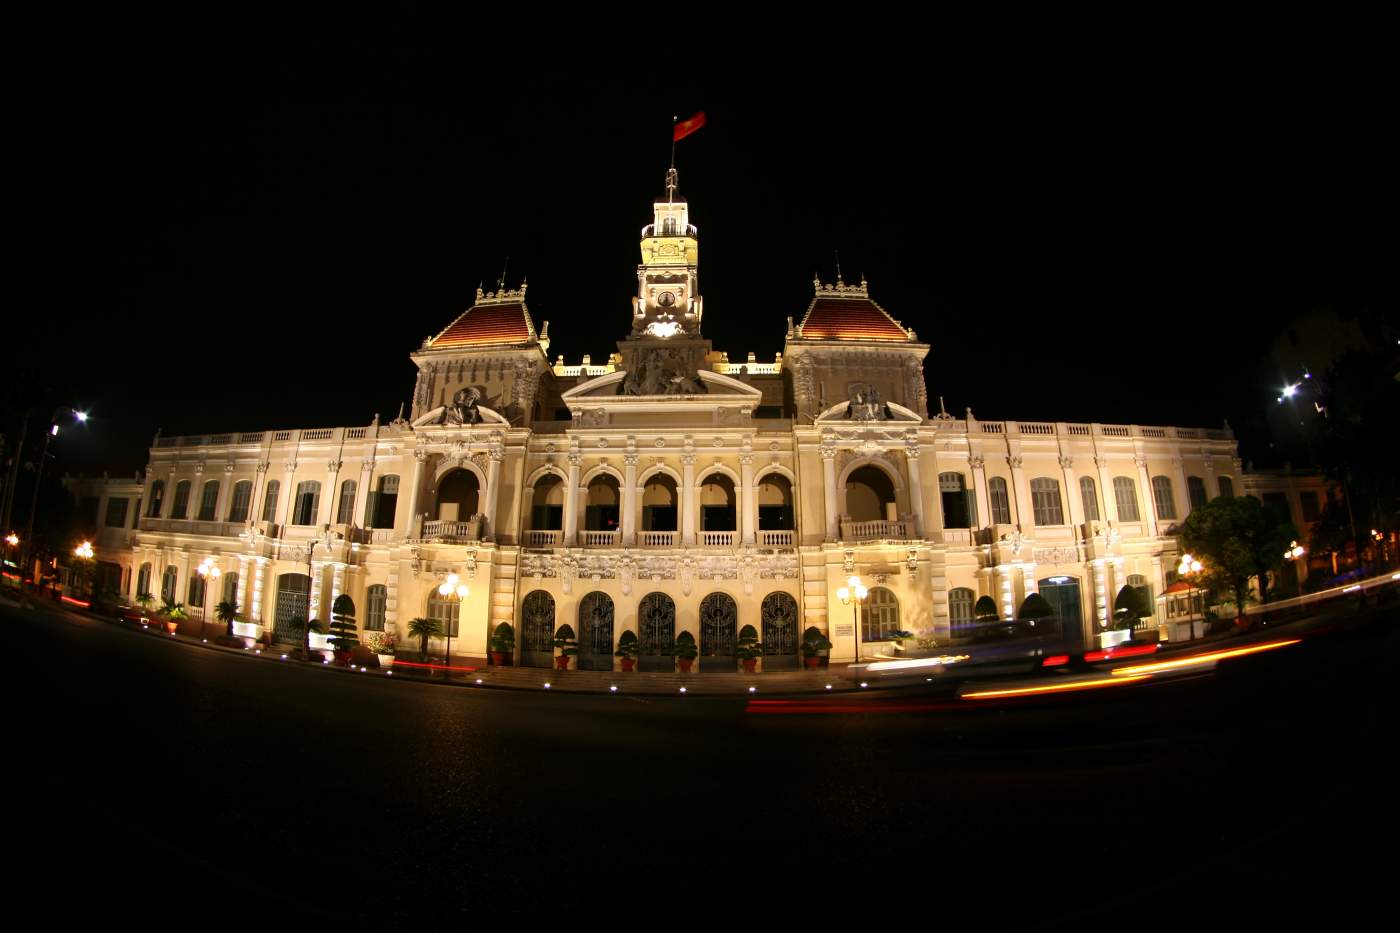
<point>854,589</point>
<point>84,553</point>
<point>207,570</point>
<point>1295,552</point>
<point>11,540</point>
<point>1189,567</point>
<point>452,586</point>
<point>39,474</point>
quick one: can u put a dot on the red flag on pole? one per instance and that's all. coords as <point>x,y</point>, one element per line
<point>686,127</point>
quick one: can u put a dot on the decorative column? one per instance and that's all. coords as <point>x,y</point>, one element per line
<point>1185,508</point>
<point>314,605</point>
<point>325,509</point>
<point>916,488</point>
<point>1098,587</point>
<point>688,497</point>
<point>1107,496</point>
<point>221,504</point>
<point>289,471</point>
<point>571,496</point>
<point>1159,582</point>
<point>979,485</point>
<point>833,515</point>
<point>1025,514</point>
<point>357,517</point>
<point>406,512</point>
<point>1148,504</point>
<point>337,582</point>
<point>1006,590</point>
<point>1076,501</point>
<point>749,518</point>
<point>240,595</point>
<point>257,499</point>
<point>629,499</point>
<point>493,485</point>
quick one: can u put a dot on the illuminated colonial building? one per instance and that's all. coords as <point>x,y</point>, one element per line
<point>667,488</point>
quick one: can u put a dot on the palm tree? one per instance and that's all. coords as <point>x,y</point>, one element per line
<point>306,628</point>
<point>424,629</point>
<point>227,612</point>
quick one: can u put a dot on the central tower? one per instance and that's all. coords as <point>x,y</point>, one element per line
<point>665,349</point>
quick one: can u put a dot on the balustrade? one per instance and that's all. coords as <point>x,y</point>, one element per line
<point>657,538</point>
<point>777,538</point>
<point>875,530</point>
<point>600,538</point>
<point>544,538</point>
<point>719,538</point>
<point>452,531</point>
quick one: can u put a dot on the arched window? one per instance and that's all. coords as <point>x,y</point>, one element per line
<point>1045,498</point>
<point>1227,486</point>
<point>345,512</point>
<point>959,510</point>
<point>307,501</point>
<point>881,617</point>
<point>717,504</point>
<point>1196,490</point>
<point>382,503</point>
<point>659,504</point>
<point>1000,501</point>
<point>960,617</point>
<point>1163,498</point>
<point>231,588</point>
<point>1091,498</point>
<point>195,601</point>
<point>167,584</point>
<point>445,609</point>
<point>269,513</point>
<point>547,504</point>
<point>181,506</point>
<point>458,496</point>
<point>376,601</point>
<point>775,503</point>
<point>209,501</point>
<point>1125,495</point>
<point>143,580</point>
<point>600,513</point>
<point>718,617</point>
<point>242,496</point>
<point>157,496</point>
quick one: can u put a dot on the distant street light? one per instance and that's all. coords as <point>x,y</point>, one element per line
<point>39,476</point>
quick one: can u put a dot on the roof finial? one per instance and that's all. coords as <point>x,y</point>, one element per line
<point>838,267</point>
<point>671,172</point>
<point>501,286</point>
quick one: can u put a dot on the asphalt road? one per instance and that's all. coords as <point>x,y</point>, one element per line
<point>173,784</point>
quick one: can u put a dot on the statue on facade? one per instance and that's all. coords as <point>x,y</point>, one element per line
<point>463,409</point>
<point>865,404</point>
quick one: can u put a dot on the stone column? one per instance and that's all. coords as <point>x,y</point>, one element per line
<point>1021,493</point>
<point>1108,499</point>
<point>168,501</point>
<point>1159,584</point>
<point>1149,506</point>
<point>357,517</point>
<point>330,500</point>
<point>749,516</point>
<point>688,498</point>
<point>225,486</point>
<point>1098,592</point>
<point>406,512</point>
<point>979,486</point>
<point>1075,502</point>
<point>833,514</point>
<point>1184,509</point>
<point>314,601</point>
<point>493,488</point>
<point>1006,590</point>
<point>629,499</point>
<point>337,582</point>
<point>240,595</point>
<point>257,501</point>
<point>571,497</point>
<point>916,488</point>
<point>289,473</point>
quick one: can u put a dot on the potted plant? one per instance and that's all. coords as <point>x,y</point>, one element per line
<point>145,601</point>
<point>814,644</point>
<point>344,636</point>
<point>174,614</point>
<point>423,629</point>
<point>747,648</point>
<point>502,645</point>
<point>685,651</point>
<point>567,644</point>
<point>382,644</point>
<point>627,649</point>
<point>226,612</point>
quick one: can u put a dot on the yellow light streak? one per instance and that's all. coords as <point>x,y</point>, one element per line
<point>1052,688</point>
<point>1134,670</point>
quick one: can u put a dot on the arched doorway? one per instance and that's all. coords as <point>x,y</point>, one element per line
<point>547,504</point>
<point>779,632</point>
<point>656,623</point>
<point>1062,593</point>
<point>775,511</point>
<point>595,632</point>
<point>719,617</point>
<point>870,496</point>
<point>457,496</point>
<point>293,606</point>
<point>659,504</point>
<point>601,511</point>
<point>537,630</point>
<point>717,504</point>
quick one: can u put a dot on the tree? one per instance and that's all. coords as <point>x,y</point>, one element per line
<point>343,628</point>
<point>226,612</point>
<point>306,628</point>
<point>1237,538</point>
<point>1128,607</point>
<point>424,629</point>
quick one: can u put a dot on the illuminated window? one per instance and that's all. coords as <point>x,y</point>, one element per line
<point>1125,495</point>
<point>157,496</point>
<point>376,599</point>
<point>1163,498</point>
<point>1000,501</point>
<point>345,513</point>
<point>1045,497</point>
<point>445,609</point>
<point>209,502</point>
<point>1090,496</point>
<point>1227,486</point>
<point>242,497</point>
<point>960,602</point>
<point>881,617</point>
<point>270,501</point>
<point>307,501</point>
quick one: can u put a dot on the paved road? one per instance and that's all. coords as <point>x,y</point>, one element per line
<point>174,783</point>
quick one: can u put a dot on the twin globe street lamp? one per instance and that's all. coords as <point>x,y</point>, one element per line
<point>206,570</point>
<point>1187,570</point>
<point>854,588</point>
<point>452,586</point>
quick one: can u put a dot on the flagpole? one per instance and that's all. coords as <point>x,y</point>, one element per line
<point>671,174</point>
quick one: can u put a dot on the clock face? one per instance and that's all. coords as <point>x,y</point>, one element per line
<point>666,299</point>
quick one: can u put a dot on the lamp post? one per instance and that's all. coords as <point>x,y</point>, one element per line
<point>207,570</point>
<point>856,590</point>
<point>452,586</point>
<point>1186,570</point>
<point>84,553</point>
<point>1295,552</point>
<point>81,416</point>
<point>11,540</point>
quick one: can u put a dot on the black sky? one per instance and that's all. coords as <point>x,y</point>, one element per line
<point>239,227</point>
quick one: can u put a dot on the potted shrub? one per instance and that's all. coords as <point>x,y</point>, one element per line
<point>747,648</point>
<point>685,651</point>
<point>174,614</point>
<point>344,636</point>
<point>382,644</point>
<point>145,601</point>
<point>424,629</point>
<point>1127,610</point>
<point>627,649</point>
<point>1035,609</point>
<point>502,645</point>
<point>814,646</point>
<point>567,644</point>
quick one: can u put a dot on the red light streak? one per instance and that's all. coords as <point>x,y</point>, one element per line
<point>434,667</point>
<point>1055,660</point>
<point>76,602</point>
<point>1110,654</point>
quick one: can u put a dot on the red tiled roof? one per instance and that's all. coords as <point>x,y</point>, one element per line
<point>849,319</point>
<point>488,325</point>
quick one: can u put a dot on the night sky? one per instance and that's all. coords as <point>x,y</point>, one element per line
<point>241,228</point>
